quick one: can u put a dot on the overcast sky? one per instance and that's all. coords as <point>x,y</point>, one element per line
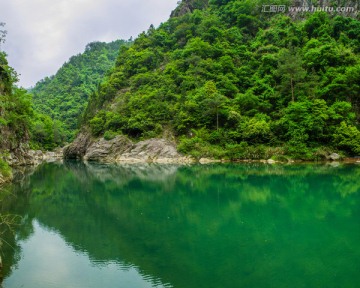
<point>43,34</point>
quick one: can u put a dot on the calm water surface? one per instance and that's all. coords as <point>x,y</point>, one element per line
<point>221,225</point>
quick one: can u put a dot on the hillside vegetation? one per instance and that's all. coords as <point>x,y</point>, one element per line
<point>62,97</point>
<point>15,115</point>
<point>230,81</point>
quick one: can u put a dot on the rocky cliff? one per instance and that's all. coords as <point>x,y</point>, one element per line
<point>122,150</point>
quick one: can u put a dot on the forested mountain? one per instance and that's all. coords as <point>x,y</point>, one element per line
<point>223,77</point>
<point>63,96</point>
<point>230,81</point>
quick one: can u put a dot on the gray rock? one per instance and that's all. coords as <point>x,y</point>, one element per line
<point>334,156</point>
<point>187,6</point>
<point>107,151</point>
<point>77,149</point>
<point>123,150</point>
<point>153,150</point>
<point>33,157</point>
<point>53,156</point>
<point>208,161</point>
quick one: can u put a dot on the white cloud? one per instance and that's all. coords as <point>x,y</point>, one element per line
<point>43,34</point>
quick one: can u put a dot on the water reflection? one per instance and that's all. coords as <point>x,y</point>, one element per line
<point>189,226</point>
<point>69,268</point>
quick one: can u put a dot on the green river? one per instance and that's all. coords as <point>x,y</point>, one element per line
<point>198,226</point>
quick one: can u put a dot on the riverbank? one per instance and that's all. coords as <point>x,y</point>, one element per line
<point>121,149</point>
<point>156,150</point>
<point>25,157</point>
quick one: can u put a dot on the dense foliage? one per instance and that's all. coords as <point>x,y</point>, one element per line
<point>15,109</point>
<point>62,97</point>
<point>229,81</point>
<point>15,113</point>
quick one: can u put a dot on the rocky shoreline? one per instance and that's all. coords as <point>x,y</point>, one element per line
<point>156,150</point>
<point>122,150</point>
<point>24,157</point>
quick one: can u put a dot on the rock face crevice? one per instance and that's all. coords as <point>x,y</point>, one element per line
<point>122,150</point>
<point>77,149</point>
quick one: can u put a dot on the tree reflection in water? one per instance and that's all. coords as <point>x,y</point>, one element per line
<point>221,225</point>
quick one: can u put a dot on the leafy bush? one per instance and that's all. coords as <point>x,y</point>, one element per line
<point>109,135</point>
<point>280,158</point>
<point>97,124</point>
<point>243,151</point>
<point>5,169</point>
<point>198,148</point>
<point>189,145</point>
<point>347,137</point>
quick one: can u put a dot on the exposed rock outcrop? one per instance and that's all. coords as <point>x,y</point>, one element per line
<point>38,157</point>
<point>153,150</point>
<point>123,150</point>
<point>105,151</point>
<point>187,6</point>
<point>77,149</point>
<point>27,157</point>
<point>24,157</point>
<point>33,157</point>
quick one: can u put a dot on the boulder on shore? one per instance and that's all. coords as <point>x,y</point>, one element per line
<point>77,149</point>
<point>334,157</point>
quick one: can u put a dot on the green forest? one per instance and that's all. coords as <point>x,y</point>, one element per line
<point>232,82</point>
<point>16,113</point>
<point>224,79</point>
<point>62,97</point>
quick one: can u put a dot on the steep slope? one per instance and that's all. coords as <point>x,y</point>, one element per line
<point>64,95</point>
<point>231,81</point>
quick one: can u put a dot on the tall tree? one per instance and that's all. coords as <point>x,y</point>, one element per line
<point>213,101</point>
<point>290,71</point>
